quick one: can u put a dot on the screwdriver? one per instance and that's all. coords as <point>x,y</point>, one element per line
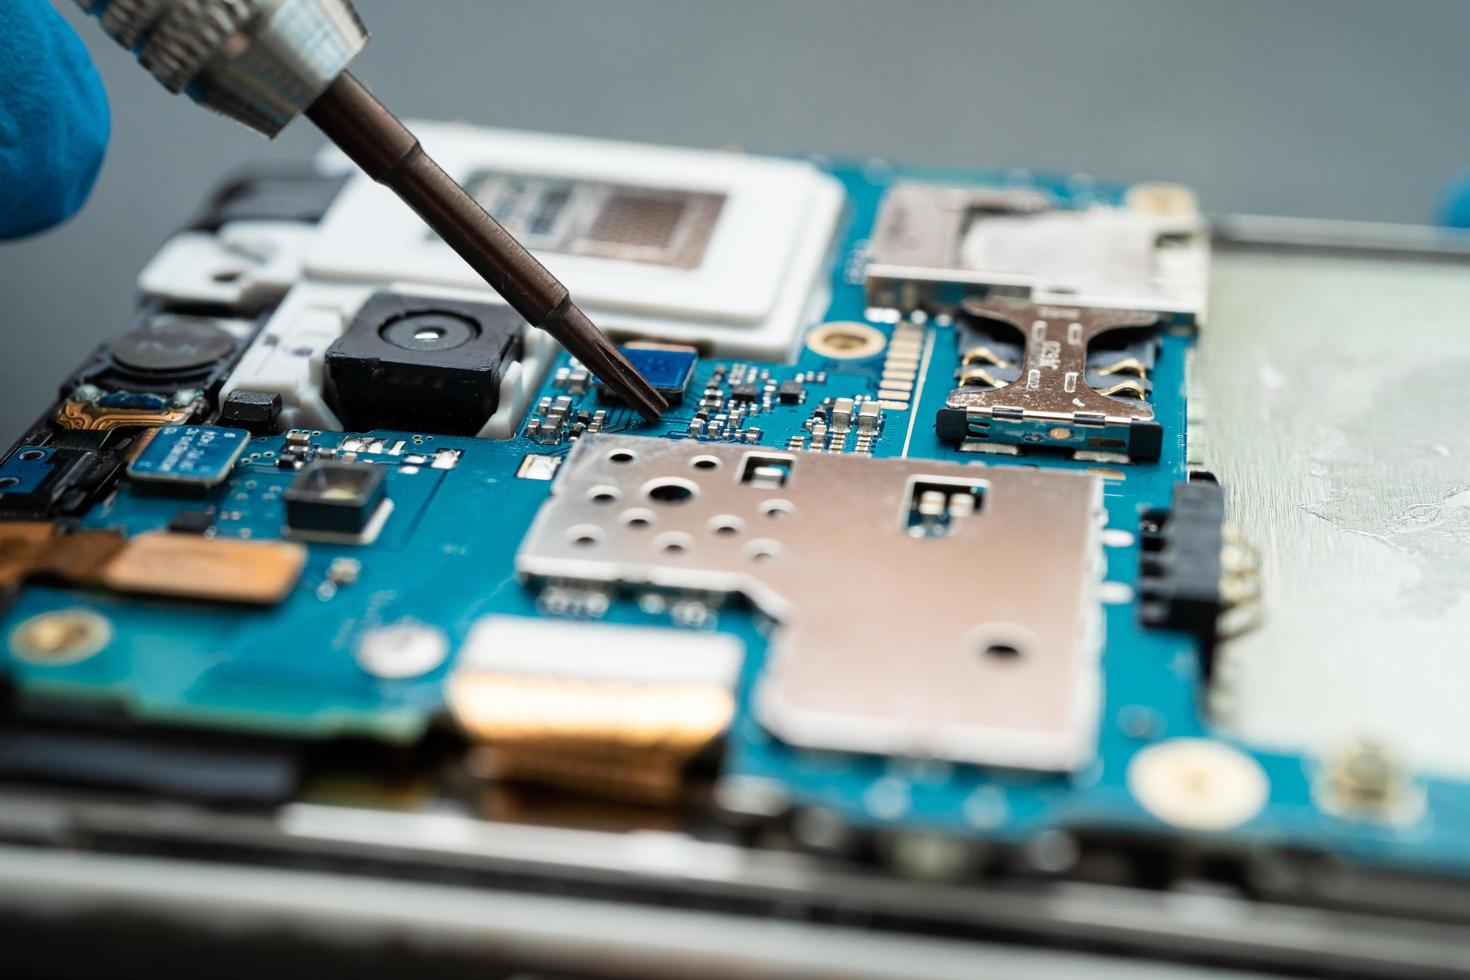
<point>264,62</point>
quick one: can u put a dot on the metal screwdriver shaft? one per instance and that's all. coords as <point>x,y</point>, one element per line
<point>263,62</point>
<point>385,149</point>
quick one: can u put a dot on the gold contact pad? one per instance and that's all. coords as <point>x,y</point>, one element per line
<point>211,569</point>
<point>20,544</point>
<point>605,717</point>
<point>597,711</point>
<point>75,414</point>
<point>33,548</point>
<point>654,781</point>
<point>607,739</point>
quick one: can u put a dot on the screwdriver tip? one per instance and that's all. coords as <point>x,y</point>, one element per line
<point>573,330</point>
<point>378,142</point>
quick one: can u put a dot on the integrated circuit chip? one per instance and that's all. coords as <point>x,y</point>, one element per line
<point>668,367</point>
<point>189,455</point>
<point>192,522</point>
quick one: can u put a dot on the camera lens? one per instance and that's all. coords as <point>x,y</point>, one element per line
<point>429,332</point>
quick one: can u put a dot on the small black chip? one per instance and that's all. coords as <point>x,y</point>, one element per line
<point>790,392</point>
<point>258,412</point>
<point>747,391</point>
<point>335,496</point>
<point>192,522</point>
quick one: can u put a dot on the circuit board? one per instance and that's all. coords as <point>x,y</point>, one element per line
<point>843,575</point>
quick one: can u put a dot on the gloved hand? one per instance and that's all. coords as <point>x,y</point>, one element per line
<point>53,118</point>
<point>1453,208</point>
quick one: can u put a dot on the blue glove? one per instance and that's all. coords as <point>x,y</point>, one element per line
<point>53,119</point>
<point>1453,207</point>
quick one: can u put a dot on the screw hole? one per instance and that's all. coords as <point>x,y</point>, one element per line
<point>778,508</point>
<point>603,495</point>
<point>705,463</point>
<point>674,543</point>
<point>638,519</point>
<point>30,454</point>
<point>1001,650</point>
<point>762,550</point>
<point>225,276</point>
<point>6,482</point>
<point>726,525</point>
<point>671,491</point>
<point>585,536</point>
<point>621,456</point>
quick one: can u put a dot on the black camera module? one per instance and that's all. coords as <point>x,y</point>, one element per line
<point>421,363</point>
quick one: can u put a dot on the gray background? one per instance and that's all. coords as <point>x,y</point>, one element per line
<point>1314,107</point>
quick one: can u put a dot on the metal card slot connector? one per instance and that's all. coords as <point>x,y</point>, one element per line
<point>1069,378</point>
<point>933,246</point>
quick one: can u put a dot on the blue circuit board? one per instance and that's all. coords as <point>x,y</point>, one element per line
<point>447,556</point>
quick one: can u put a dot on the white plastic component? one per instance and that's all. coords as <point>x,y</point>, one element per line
<point>760,282</point>
<point>287,358</point>
<point>247,266</point>
<point>519,384</point>
<point>601,652</point>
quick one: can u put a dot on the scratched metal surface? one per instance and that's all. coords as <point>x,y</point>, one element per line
<point>1337,393</point>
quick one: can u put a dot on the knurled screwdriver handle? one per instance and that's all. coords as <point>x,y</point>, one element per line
<point>261,62</point>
